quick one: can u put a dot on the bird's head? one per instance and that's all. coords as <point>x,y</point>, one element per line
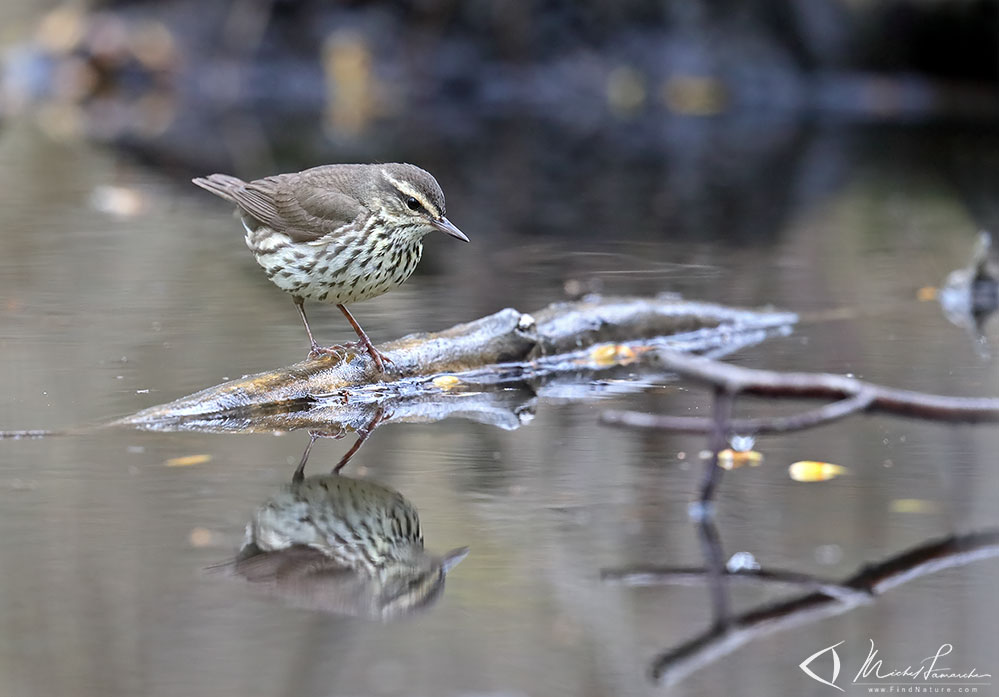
<point>412,200</point>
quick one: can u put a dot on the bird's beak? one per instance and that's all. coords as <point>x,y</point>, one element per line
<point>445,225</point>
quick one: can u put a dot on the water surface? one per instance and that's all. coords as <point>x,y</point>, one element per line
<point>103,547</point>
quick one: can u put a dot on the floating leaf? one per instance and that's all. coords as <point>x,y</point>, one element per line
<point>609,354</point>
<point>446,382</point>
<point>913,506</point>
<point>188,460</point>
<point>812,471</point>
<point>926,294</point>
<point>201,537</point>
<point>605,353</point>
<point>734,459</point>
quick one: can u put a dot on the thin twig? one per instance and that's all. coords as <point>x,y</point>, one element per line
<point>723,405</point>
<point>711,550</point>
<point>760,426</point>
<point>770,383</point>
<point>641,576</point>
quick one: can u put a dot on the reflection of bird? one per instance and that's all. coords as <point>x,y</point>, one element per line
<point>343,545</point>
<point>338,233</point>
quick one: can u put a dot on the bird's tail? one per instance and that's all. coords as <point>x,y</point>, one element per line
<point>221,185</point>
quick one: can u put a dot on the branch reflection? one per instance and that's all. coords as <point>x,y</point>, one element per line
<point>821,598</point>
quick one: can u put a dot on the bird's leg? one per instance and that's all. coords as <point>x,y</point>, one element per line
<point>300,304</point>
<point>379,358</point>
<point>300,471</point>
<point>362,435</point>
<point>315,350</point>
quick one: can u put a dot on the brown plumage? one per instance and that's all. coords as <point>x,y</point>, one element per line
<point>337,233</point>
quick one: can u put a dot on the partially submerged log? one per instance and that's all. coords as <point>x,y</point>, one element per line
<point>339,393</point>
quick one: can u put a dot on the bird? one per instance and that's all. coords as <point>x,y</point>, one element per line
<point>338,233</point>
<point>343,545</point>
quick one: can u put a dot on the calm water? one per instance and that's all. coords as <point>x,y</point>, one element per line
<point>103,546</point>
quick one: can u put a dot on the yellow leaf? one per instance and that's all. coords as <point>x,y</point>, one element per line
<point>604,353</point>
<point>446,382</point>
<point>733,459</point>
<point>188,460</point>
<point>609,354</point>
<point>811,471</point>
<point>926,293</point>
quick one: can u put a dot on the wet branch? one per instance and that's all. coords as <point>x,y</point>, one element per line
<point>780,424</point>
<point>496,368</point>
<point>640,576</point>
<point>503,348</point>
<point>852,396</point>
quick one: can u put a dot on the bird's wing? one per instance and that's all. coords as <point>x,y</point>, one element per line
<point>327,208</point>
<point>287,203</point>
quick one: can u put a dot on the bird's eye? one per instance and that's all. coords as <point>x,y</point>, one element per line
<point>413,204</point>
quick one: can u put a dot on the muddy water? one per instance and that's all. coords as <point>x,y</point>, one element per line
<point>116,299</point>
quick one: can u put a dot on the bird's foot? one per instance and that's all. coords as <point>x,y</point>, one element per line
<point>318,351</point>
<point>377,356</point>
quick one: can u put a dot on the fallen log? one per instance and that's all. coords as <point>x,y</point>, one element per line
<point>481,360</point>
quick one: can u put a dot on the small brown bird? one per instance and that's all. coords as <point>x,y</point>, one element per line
<point>338,233</point>
<point>343,545</point>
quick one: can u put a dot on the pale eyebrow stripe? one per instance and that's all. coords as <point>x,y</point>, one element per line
<point>410,191</point>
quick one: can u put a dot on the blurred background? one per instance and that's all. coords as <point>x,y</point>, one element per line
<point>547,115</point>
<point>835,158</point>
